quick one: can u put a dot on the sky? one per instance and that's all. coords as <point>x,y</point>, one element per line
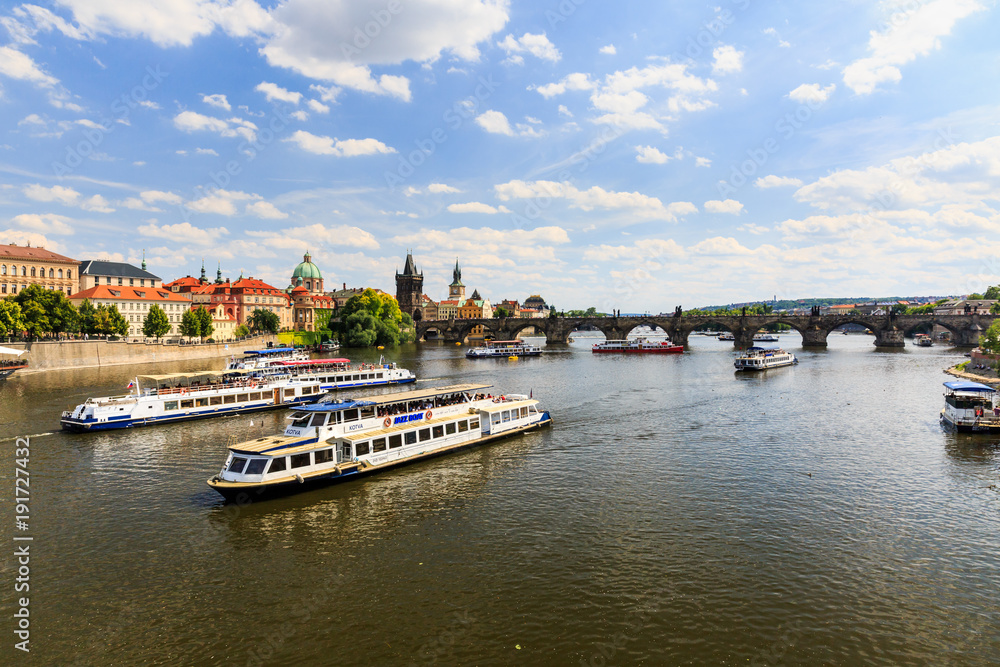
<point>636,155</point>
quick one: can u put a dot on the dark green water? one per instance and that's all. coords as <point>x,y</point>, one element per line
<point>676,513</point>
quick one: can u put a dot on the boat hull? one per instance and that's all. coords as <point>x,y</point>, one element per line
<point>672,349</point>
<point>977,426</point>
<point>244,493</point>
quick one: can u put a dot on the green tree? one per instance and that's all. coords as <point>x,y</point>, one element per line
<point>992,292</point>
<point>241,331</point>
<point>975,296</point>
<point>190,324</point>
<point>381,326</point>
<point>119,325</point>
<point>500,311</point>
<point>36,320</point>
<point>54,314</point>
<point>85,318</point>
<point>156,323</point>
<point>264,321</point>
<point>102,320</point>
<point>11,323</point>
<point>360,329</point>
<point>990,341</point>
<point>205,326</point>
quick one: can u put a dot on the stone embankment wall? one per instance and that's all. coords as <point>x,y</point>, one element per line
<point>51,355</point>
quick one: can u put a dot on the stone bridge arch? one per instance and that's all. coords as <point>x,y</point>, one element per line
<point>514,329</point>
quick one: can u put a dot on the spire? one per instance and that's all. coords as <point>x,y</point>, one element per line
<point>410,268</point>
<point>143,259</point>
<point>203,278</point>
<point>218,275</point>
<point>307,258</point>
<point>457,274</point>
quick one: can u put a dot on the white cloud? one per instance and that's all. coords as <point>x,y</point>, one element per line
<point>45,223</point>
<point>476,207</point>
<point>334,236</point>
<point>17,65</point>
<point>317,107</point>
<point>191,121</point>
<point>911,33</point>
<point>702,162</point>
<point>812,93</point>
<point>564,111</point>
<point>485,246</point>
<point>265,210</point>
<point>57,193</point>
<point>719,245</point>
<point>441,188</point>
<point>326,93</point>
<point>575,81</point>
<point>595,197</point>
<point>772,181</point>
<point>608,50</point>
<point>321,145</point>
<point>183,232</point>
<point>494,122</point>
<point>730,206</point>
<point>275,92</point>
<point>218,100</point>
<point>206,151</point>
<point>299,115</point>
<point>642,251</point>
<point>98,204</point>
<point>537,45</point>
<point>726,60</point>
<point>650,155</point>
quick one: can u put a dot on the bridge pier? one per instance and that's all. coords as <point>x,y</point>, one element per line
<point>890,337</point>
<point>814,337</point>
<point>679,336</point>
<point>970,337</point>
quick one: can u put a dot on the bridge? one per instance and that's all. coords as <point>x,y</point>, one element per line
<point>889,330</point>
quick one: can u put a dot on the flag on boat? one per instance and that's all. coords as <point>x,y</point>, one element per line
<point>130,385</point>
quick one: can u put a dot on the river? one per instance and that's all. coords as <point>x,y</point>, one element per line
<point>676,512</point>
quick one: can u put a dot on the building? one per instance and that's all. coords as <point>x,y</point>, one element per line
<point>536,303</point>
<point>410,290</point>
<point>306,275</point>
<point>447,309</point>
<point>511,306</point>
<point>428,309</point>
<point>223,323</point>
<point>95,272</point>
<point>21,266</point>
<point>134,303</point>
<point>240,298</point>
<point>456,290</point>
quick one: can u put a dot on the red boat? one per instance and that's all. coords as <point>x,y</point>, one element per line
<point>639,345</point>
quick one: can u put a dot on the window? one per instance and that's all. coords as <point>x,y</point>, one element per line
<point>243,398</point>
<point>318,419</point>
<point>474,423</point>
<point>362,448</point>
<point>231,398</point>
<point>201,402</point>
<point>495,418</point>
<point>60,273</point>
<point>324,456</point>
<point>170,405</point>
<point>290,392</point>
<point>449,428</point>
<point>410,437</point>
<point>277,465</point>
<point>69,274</point>
<point>142,282</point>
<point>255,395</point>
<point>237,465</point>
<point>187,404</point>
<point>439,431</point>
<point>350,415</point>
<point>24,270</point>
<point>395,441</point>
<point>108,279</point>
<point>299,460</point>
<point>425,434</point>
<point>52,273</point>
<point>378,445</point>
<point>367,413</point>
<point>3,269</point>
<point>215,400</point>
<point>506,415</point>
<point>256,467</point>
<point>119,281</point>
<point>463,426</point>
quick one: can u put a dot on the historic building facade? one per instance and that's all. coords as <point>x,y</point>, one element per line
<point>95,272</point>
<point>134,303</point>
<point>410,290</point>
<point>21,266</point>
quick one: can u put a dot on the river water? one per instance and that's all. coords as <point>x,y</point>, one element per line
<point>676,512</point>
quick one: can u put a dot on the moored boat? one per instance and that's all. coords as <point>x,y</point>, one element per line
<point>504,348</point>
<point>759,359</point>
<point>11,361</point>
<point>253,359</point>
<point>970,407</point>
<point>337,440</point>
<point>726,336</point>
<point>640,345</point>
<point>765,338</point>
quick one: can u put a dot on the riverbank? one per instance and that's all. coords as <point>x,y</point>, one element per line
<point>984,375</point>
<point>61,355</point>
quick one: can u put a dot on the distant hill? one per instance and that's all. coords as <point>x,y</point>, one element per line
<point>788,304</point>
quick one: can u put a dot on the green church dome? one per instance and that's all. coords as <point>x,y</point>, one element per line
<point>307,269</point>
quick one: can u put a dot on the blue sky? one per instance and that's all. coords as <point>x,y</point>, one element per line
<point>623,155</point>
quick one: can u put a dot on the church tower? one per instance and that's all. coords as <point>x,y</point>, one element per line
<point>456,290</point>
<point>410,289</point>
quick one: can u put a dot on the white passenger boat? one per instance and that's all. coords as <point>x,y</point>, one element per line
<point>638,345</point>
<point>504,348</point>
<point>924,340</point>
<point>726,336</point>
<point>184,396</point>
<point>759,359</point>
<point>765,338</point>
<point>970,407</point>
<point>337,440</point>
<point>11,361</point>
<point>253,359</point>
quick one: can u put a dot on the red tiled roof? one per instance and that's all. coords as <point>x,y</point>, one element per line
<point>186,281</point>
<point>157,294</point>
<point>33,254</point>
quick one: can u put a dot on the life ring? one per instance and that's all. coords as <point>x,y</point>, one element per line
<point>428,415</point>
<point>387,422</point>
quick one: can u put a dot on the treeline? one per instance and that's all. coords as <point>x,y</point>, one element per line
<point>371,318</point>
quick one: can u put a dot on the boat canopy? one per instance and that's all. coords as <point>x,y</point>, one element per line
<point>333,406</point>
<point>314,362</point>
<point>10,350</point>
<point>398,397</point>
<point>273,350</point>
<point>187,378</point>
<point>968,386</point>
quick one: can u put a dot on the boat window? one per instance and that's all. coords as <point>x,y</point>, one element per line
<point>380,376</point>
<point>506,415</point>
<point>290,392</point>
<point>170,405</point>
<point>335,418</point>
<point>345,451</point>
<point>215,400</point>
<point>410,437</point>
<point>439,431</point>
<point>277,465</point>
<point>367,413</point>
<point>425,434</point>
<point>306,391</point>
<point>495,418</point>
<point>255,396</point>
<point>449,428</point>
<point>362,448</point>
<point>395,441</point>
<point>474,423</point>
<point>324,456</point>
<point>301,422</point>
<point>463,426</point>
<point>231,398</point>
<point>351,415</point>
<point>299,460</point>
<point>356,376</point>
<point>256,467</point>
<point>318,419</point>
<point>201,402</point>
<point>237,464</point>
<point>524,412</point>
<point>378,445</point>
<point>187,404</point>
<point>243,398</point>
<point>532,410</point>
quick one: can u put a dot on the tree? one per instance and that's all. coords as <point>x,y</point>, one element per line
<point>975,296</point>
<point>992,292</point>
<point>119,325</point>
<point>990,341</point>
<point>264,321</point>
<point>11,323</point>
<point>371,318</point>
<point>190,324</point>
<point>205,326</point>
<point>156,323</point>
<point>500,312</point>
<point>241,331</point>
<point>85,317</point>
<point>53,314</point>
<point>359,329</point>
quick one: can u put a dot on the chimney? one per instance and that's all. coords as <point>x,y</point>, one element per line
<point>345,286</point>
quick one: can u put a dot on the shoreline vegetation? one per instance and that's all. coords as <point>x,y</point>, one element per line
<point>959,371</point>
